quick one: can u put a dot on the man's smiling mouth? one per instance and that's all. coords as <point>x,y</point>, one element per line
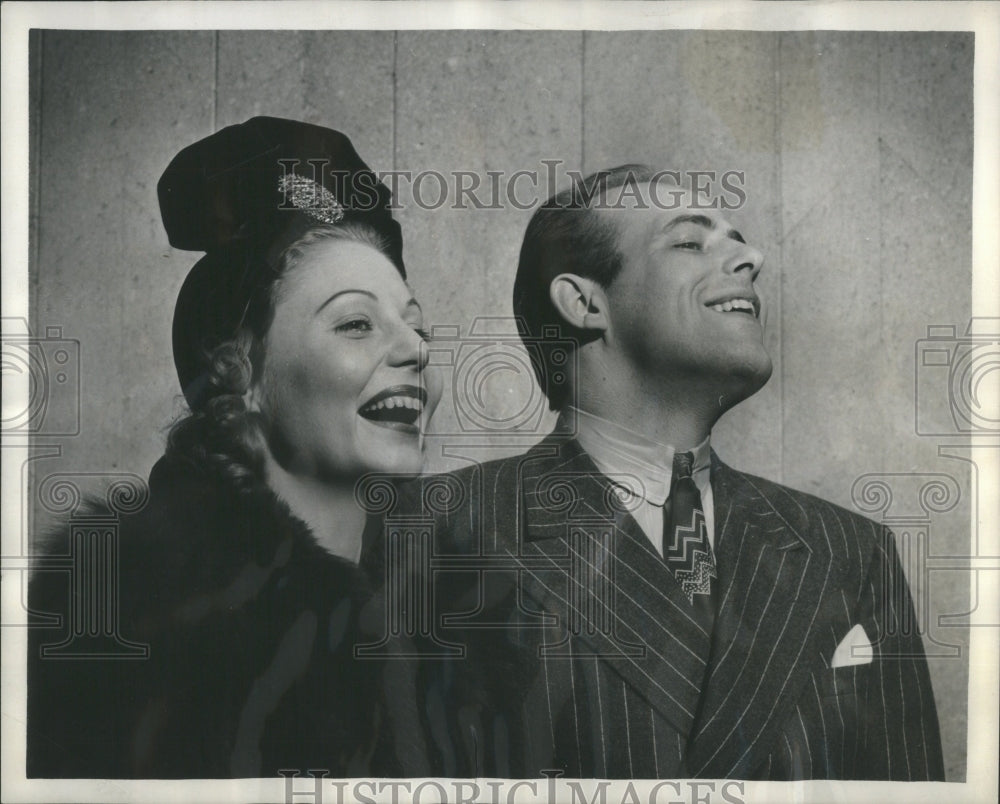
<point>737,304</point>
<point>398,407</point>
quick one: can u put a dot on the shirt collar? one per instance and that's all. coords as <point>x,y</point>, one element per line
<point>631,460</point>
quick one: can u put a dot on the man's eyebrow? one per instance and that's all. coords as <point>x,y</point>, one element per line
<point>701,220</point>
<point>342,292</point>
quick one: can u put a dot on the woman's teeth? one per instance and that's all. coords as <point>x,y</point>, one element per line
<point>396,402</point>
<point>402,409</point>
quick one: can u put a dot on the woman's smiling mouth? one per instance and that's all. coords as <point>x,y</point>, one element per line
<point>398,408</point>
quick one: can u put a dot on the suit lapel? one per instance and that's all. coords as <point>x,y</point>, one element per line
<point>590,561</point>
<point>772,582</point>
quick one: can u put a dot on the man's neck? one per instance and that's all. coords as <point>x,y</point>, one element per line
<point>680,429</point>
<point>679,410</point>
<point>668,419</point>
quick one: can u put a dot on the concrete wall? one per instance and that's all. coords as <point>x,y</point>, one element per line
<point>857,152</point>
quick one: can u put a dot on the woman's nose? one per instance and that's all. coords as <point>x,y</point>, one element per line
<point>409,348</point>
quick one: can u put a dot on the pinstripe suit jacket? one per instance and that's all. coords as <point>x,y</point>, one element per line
<point>579,654</point>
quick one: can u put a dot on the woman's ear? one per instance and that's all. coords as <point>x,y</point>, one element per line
<point>253,395</point>
<point>251,398</point>
<point>580,301</point>
<point>253,355</point>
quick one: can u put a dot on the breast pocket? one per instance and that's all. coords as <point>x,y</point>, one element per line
<point>840,682</point>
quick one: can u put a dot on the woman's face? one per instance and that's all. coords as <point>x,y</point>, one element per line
<point>343,390</point>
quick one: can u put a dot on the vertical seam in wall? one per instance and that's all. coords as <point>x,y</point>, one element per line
<point>122,400</point>
<point>781,258</point>
<point>395,109</point>
<point>35,177</point>
<point>34,255</point>
<point>583,99</point>
<point>215,81</point>
<point>881,234</point>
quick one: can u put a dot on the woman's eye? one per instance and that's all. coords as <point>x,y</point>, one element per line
<point>355,326</point>
<point>689,244</point>
<point>423,333</point>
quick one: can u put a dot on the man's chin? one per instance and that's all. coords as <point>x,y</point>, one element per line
<point>759,372</point>
<point>743,380</point>
<point>755,374</point>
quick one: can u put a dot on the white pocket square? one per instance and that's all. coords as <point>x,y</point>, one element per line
<point>855,648</point>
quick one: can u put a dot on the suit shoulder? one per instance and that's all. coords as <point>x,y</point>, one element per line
<point>503,466</point>
<point>809,503</point>
<point>496,476</point>
<point>470,504</point>
<point>826,526</point>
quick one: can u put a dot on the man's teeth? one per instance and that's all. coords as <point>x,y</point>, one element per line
<point>397,402</point>
<point>734,304</point>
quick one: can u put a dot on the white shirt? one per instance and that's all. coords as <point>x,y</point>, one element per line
<point>642,468</point>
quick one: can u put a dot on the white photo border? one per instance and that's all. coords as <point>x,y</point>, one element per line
<point>982,18</point>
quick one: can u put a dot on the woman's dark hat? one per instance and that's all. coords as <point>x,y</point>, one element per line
<point>242,195</point>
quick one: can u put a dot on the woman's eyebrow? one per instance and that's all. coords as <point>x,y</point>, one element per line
<point>339,293</point>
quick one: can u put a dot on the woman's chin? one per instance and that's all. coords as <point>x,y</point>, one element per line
<point>393,447</point>
<point>402,461</point>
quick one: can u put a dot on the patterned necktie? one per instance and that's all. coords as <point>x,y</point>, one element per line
<point>686,549</point>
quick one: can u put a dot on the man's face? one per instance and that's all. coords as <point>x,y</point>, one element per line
<point>684,309</point>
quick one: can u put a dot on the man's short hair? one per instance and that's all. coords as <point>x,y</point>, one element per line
<point>567,235</point>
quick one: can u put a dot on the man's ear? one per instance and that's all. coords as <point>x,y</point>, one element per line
<point>580,301</point>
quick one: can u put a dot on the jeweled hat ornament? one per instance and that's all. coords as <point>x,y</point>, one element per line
<point>242,195</point>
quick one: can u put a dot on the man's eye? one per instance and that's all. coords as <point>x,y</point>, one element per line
<point>689,244</point>
<point>354,326</point>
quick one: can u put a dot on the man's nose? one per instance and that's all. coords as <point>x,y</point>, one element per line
<point>744,259</point>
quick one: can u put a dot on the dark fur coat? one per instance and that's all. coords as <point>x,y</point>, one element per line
<point>251,627</point>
